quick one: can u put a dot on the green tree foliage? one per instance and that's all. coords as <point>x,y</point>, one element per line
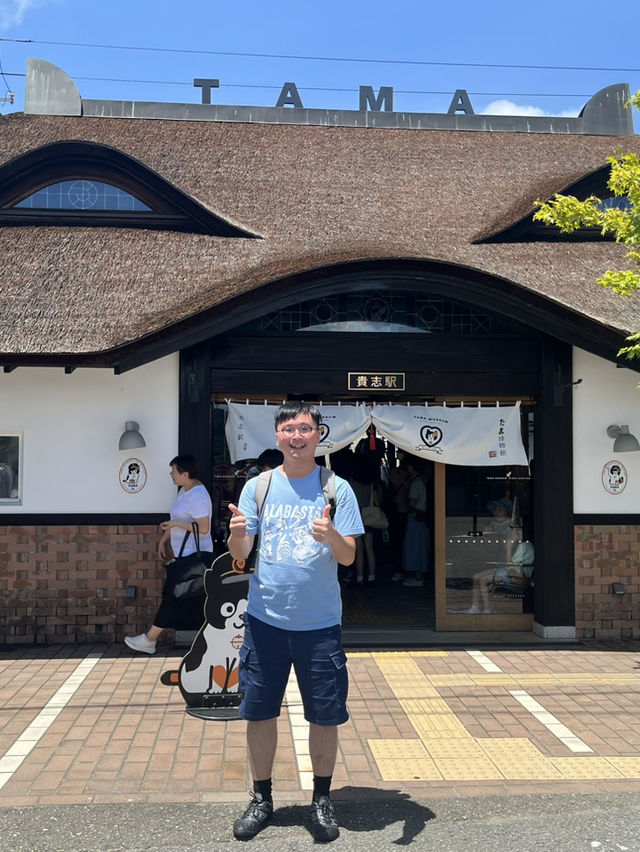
<point>569,214</point>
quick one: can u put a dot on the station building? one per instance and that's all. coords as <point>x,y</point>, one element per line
<point>161,262</point>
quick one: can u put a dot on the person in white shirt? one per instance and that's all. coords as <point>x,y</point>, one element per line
<point>192,505</point>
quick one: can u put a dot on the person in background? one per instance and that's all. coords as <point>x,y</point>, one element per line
<point>518,569</point>
<point>399,479</point>
<point>417,540</point>
<point>6,480</point>
<point>342,466</point>
<point>294,614</point>
<point>501,510</point>
<point>267,460</point>
<point>364,484</point>
<point>193,504</point>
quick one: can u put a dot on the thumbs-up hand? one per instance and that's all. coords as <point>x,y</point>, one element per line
<point>322,527</point>
<point>238,522</point>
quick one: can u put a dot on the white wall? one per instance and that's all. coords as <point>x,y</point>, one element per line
<point>607,395</point>
<point>71,425</point>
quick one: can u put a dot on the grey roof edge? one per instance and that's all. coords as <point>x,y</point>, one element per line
<point>608,108</point>
<point>50,91</point>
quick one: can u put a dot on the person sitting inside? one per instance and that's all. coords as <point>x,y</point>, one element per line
<point>501,510</point>
<point>518,570</point>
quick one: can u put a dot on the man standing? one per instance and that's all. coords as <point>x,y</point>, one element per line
<point>294,613</point>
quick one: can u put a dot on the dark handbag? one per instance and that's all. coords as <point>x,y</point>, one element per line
<point>185,574</point>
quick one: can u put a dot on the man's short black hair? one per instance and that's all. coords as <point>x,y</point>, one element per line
<point>290,410</point>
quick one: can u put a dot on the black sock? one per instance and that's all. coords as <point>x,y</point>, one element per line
<point>264,788</point>
<point>321,785</point>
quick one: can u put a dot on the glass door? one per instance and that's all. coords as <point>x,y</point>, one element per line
<point>485,564</point>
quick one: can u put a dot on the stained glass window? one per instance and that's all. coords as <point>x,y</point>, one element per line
<point>393,311</point>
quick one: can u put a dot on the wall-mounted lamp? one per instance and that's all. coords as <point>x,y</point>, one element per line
<point>624,441</point>
<point>131,438</point>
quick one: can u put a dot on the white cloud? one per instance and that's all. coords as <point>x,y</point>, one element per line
<point>570,113</point>
<point>12,12</point>
<point>505,107</point>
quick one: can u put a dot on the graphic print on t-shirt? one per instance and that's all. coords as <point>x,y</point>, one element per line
<point>287,529</point>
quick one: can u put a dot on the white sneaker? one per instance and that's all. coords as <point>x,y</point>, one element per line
<point>140,643</point>
<point>397,576</point>
<point>473,610</point>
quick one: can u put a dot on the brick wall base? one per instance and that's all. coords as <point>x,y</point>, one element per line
<point>77,584</point>
<point>605,555</point>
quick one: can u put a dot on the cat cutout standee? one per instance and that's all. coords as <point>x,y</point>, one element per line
<point>208,673</point>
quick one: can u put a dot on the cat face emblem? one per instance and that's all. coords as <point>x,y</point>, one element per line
<point>431,435</point>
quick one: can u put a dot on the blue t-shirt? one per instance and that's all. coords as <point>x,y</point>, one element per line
<point>295,584</point>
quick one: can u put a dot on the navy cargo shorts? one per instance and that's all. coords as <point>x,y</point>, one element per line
<point>318,660</point>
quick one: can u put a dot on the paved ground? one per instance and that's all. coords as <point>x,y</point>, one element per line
<point>94,726</point>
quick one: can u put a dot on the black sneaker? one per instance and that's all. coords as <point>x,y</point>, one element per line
<point>324,825</point>
<point>254,819</point>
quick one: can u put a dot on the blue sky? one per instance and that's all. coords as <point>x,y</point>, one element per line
<point>424,50</point>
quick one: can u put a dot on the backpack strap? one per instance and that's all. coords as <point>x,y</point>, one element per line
<point>262,487</point>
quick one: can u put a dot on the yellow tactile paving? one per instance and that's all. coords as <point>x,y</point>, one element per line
<point>473,769</point>
<point>495,680</point>
<point>440,680</point>
<point>412,688</point>
<point>462,748</point>
<point>421,769</point>
<point>629,766</point>
<point>430,706</point>
<point>540,769</point>
<point>515,748</point>
<point>398,749</point>
<point>577,679</point>
<point>448,750</point>
<point>593,768</point>
<point>527,680</point>
<point>390,666</point>
<point>443,725</point>
<point>403,759</point>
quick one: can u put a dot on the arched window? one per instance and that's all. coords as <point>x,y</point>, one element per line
<point>92,185</point>
<point>530,230</point>
<point>81,194</point>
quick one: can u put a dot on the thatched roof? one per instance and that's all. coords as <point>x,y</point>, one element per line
<point>317,196</point>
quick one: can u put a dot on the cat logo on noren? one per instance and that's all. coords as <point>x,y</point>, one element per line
<point>431,435</point>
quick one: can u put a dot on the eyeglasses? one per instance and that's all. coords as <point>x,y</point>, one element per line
<point>303,431</point>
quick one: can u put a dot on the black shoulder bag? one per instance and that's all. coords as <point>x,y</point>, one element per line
<point>185,574</point>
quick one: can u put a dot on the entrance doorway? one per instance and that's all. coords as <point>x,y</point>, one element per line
<point>384,602</point>
<point>475,518</point>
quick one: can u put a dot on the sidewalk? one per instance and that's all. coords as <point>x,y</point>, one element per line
<point>93,724</point>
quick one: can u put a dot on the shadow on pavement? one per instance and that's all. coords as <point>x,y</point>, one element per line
<point>366,809</point>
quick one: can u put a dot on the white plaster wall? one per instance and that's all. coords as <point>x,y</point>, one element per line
<point>607,395</point>
<point>71,425</point>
